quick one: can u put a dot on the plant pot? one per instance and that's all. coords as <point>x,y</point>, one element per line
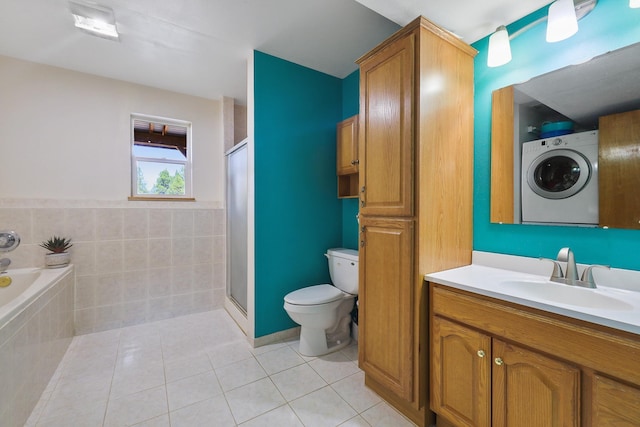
<point>57,260</point>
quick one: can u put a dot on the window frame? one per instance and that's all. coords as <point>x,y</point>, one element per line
<point>188,163</point>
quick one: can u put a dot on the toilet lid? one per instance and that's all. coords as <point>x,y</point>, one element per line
<point>318,294</point>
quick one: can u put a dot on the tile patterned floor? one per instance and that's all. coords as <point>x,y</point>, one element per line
<point>198,370</point>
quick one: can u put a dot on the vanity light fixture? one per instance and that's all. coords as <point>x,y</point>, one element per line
<point>94,19</point>
<point>499,48</point>
<point>559,27</point>
<point>562,21</point>
<point>634,4</point>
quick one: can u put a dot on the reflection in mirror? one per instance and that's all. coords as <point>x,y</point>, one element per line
<point>566,145</point>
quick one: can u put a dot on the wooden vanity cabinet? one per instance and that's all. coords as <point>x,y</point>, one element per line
<point>347,157</point>
<point>476,373</point>
<point>495,363</point>
<point>416,200</point>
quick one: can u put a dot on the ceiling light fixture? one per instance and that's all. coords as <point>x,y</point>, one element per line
<point>499,52</point>
<point>94,19</point>
<point>634,4</point>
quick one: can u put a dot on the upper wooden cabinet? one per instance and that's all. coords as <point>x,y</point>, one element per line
<point>416,199</point>
<point>619,170</point>
<point>347,157</point>
<point>347,146</point>
<point>386,130</point>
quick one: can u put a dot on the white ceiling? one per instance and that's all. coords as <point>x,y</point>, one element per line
<point>200,47</point>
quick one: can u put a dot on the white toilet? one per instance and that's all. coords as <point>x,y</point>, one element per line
<point>324,311</point>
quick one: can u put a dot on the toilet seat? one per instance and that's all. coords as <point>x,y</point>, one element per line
<point>313,295</point>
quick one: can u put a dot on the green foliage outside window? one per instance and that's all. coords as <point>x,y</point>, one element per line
<point>165,183</point>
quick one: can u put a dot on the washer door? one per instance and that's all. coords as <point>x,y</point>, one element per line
<point>558,174</point>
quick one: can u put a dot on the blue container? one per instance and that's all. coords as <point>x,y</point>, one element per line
<point>556,126</point>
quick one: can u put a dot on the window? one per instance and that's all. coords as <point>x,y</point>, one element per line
<point>160,158</point>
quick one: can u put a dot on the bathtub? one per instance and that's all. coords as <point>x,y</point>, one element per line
<point>36,328</point>
<point>27,284</point>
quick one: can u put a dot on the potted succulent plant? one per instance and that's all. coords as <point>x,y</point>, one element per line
<point>58,255</point>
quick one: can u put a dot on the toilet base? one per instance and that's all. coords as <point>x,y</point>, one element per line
<point>317,342</point>
<point>313,342</point>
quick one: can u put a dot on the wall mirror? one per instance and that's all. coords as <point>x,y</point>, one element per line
<point>565,146</point>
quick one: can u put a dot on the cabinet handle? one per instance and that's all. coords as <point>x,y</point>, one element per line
<point>355,162</point>
<point>362,189</point>
<point>499,361</point>
<point>362,203</point>
<point>362,243</point>
<point>480,353</point>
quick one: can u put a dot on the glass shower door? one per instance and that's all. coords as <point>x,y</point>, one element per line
<point>237,226</point>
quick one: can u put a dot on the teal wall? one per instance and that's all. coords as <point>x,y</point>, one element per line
<point>350,107</point>
<point>611,25</point>
<point>297,213</point>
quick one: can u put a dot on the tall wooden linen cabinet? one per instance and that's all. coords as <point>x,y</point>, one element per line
<point>416,194</point>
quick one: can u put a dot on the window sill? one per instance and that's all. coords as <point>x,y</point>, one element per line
<point>161,199</point>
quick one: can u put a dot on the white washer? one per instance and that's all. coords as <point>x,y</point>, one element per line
<point>560,179</point>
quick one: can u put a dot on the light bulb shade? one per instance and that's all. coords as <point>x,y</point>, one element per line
<point>562,21</point>
<point>634,4</point>
<point>499,48</point>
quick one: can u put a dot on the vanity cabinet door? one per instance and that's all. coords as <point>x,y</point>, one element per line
<point>386,303</point>
<point>614,403</point>
<point>530,389</point>
<point>460,374</point>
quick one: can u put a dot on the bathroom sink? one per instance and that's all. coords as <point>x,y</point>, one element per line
<point>604,299</point>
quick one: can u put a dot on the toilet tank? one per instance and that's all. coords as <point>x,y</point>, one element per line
<point>343,268</point>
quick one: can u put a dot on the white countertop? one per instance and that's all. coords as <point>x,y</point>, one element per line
<point>490,281</point>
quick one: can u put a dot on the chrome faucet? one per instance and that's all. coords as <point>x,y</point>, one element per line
<point>566,255</point>
<point>571,276</point>
<point>9,240</point>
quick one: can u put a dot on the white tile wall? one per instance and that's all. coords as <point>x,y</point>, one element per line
<point>32,344</point>
<point>135,261</point>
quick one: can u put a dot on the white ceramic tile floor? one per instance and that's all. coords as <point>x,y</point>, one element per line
<point>199,370</point>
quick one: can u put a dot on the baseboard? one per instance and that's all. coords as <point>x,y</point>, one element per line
<point>275,337</point>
